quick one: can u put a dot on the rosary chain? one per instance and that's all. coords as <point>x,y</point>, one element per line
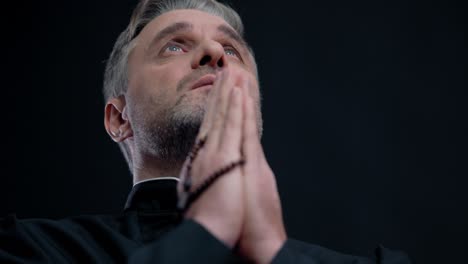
<point>187,185</point>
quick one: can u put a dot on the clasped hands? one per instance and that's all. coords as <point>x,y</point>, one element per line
<point>242,207</point>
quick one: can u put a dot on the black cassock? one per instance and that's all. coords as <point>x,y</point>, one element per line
<point>149,230</point>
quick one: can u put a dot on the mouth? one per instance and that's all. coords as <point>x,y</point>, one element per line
<point>205,80</point>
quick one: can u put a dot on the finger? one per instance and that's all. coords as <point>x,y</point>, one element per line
<point>210,116</point>
<point>220,109</point>
<point>230,141</point>
<point>210,105</point>
<point>251,141</point>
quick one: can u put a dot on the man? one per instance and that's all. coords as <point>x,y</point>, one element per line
<point>182,101</point>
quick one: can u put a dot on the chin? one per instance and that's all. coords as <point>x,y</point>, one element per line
<point>193,112</point>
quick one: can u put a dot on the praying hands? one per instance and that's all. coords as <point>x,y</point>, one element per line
<point>241,206</point>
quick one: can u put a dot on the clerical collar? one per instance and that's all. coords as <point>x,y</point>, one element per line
<point>153,195</point>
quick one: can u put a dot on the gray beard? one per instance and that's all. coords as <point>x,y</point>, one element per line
<point>170,141</point>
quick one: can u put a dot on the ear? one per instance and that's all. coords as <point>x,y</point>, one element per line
<point>116,119</point>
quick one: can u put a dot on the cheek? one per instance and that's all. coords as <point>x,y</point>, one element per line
<point>155,82</point>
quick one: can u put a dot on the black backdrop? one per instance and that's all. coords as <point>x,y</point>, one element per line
<point>364,109</point>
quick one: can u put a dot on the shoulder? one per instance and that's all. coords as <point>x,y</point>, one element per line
<point>85,238</point>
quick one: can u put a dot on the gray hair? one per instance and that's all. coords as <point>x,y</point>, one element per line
<point>115,75</point>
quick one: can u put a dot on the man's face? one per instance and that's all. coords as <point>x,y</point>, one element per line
<point>171,71</point>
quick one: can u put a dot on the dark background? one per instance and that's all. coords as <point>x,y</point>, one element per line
<point>364,109</point>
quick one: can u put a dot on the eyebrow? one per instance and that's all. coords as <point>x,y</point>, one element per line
<point>185,26</point>
<point>170,30</point>
<point>232,34</point>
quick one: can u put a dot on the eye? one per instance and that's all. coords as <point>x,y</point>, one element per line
<point>230,51</point>
<point>173,48</point>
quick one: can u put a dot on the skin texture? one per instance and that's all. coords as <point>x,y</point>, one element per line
<point>242,208</point>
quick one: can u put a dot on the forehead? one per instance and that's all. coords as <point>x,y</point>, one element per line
<point>199,19</point>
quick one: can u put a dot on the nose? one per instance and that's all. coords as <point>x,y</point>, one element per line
<point>209,53</point>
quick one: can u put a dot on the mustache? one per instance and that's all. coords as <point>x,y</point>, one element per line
<point>192,77</point>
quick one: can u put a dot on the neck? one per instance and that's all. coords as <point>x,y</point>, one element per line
<point>151,168</point>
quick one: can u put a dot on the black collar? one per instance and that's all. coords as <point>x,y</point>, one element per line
<point>153,195</point>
